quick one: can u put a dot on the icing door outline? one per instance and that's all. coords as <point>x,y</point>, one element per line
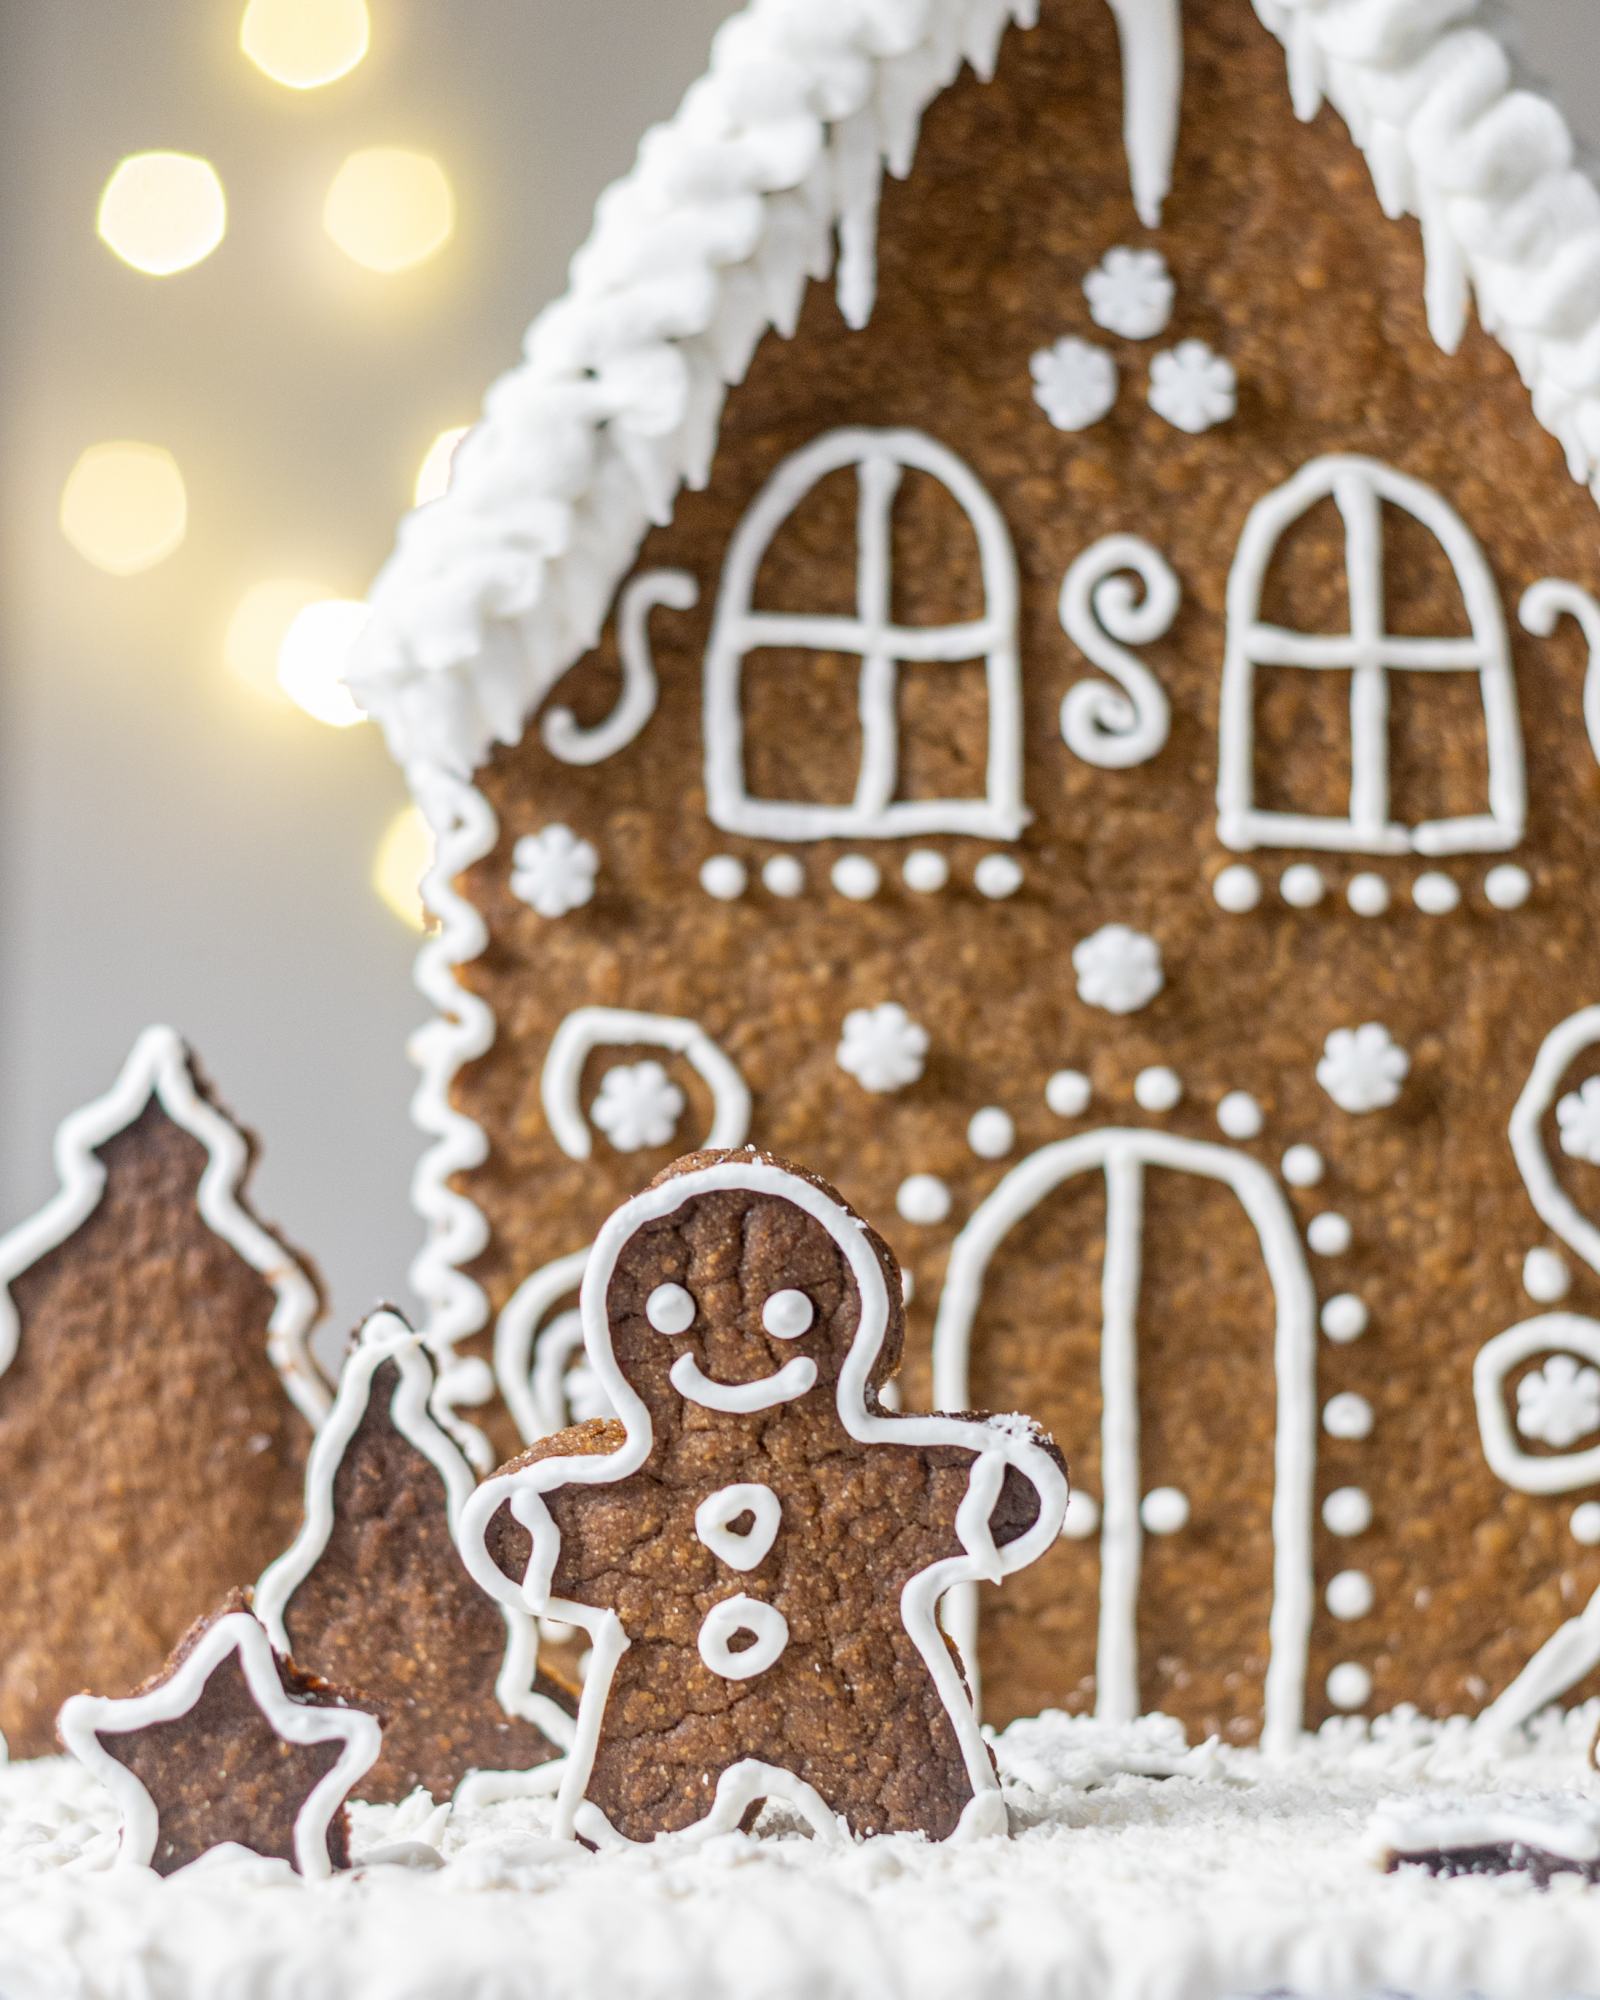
<point>880,459</point>
<point>1124,1156</point>
<point>1359,488</point>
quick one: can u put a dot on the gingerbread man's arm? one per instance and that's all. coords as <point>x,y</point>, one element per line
<point>1017,1508</point>
<point>1028,1481</point>
<point>508,1543</point>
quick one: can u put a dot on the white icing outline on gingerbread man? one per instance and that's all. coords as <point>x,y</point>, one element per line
<point>996,1448</point>
<point>85,1718</point>
<point>162,1067</point>
<point>385,1337</point>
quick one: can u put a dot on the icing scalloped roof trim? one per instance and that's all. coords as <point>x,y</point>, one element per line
<point>767,177</point>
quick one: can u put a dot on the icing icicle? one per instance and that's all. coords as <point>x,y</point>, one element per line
<point>1151,33</point>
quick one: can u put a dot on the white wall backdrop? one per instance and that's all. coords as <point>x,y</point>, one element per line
<point>174,845</point>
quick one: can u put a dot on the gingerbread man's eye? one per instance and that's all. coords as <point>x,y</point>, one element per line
<point>787,1315</point>
<point>670,1309</point>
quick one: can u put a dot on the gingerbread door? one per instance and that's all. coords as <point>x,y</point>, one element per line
<point>1125,1162</point>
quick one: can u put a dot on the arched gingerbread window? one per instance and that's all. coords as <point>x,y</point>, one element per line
<point>870,634</point>
<point>1369,653</point>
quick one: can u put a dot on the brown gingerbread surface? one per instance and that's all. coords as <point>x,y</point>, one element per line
<point>849,1706</point>
<point>151,1457</point>
<point>389,1607</point>
<point>1284,263</point>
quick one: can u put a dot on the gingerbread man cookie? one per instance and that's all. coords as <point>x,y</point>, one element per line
<point>374,1592</point>
<point>757,1548</point>
<point>227,1743</point>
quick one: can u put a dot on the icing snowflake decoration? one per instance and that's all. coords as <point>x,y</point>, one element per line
<point>1578,1115</point>
<point>639,1106</point>
<point>1119,969</point>
<point>882,1047</point>
<point>553,871</point>
<point>1193,388</point>
<point>1074,383</point>
<point>1130,292</point>
<point>1363,1068</point>
<point>1559,1403</point>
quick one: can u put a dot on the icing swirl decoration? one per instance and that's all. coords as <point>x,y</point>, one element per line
<point>1115,727</point>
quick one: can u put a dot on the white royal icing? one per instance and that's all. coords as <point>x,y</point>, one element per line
<point>1192,388</point>
<point>882,1047</point>
<point>530,1363</point>
<point>880,459</point>
<point>724,878</point>
<point>1546,1276</point>
<point>590,1028</point>
<point>997,876</point>
<point>1124,1157</point>
<point>1562,1047</point>
<point>1329,1234</point>
<point>563,735</point>
<point>638,1106</point>
<point>1543,607</point>
<point>1117,726</point>
<point>1118,969</point>
<point>385,1338</point>
<point>1360,488</point>
<point>923,1199</point>
<point>788,1314</point>
<point>996,1447</point>
<point>85,1718</point>
<point>1507,887</point>
<point>1559,1410</point>
<point>1131,293</point>
<point>991,1132</point>
<point>1237,889</point>
<point>1239,1116</point>
<point>670,1309</point>
<point>740,1548</point>
<point>1362,1069</point>
<point>161,1067</point>
<point>553,871</point>
<point>787,1385</point>
<point>765,1625</point>
<point>1074,383</point>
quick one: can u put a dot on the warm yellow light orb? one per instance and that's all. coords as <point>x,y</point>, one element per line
<point>305,43</point>
<point>162,212</point>
<point>405,854</point>
<point>124,508</point>
<point>313,657</point>
<point>261,622</point>
<point>389,209</point>
<point>433,476</point>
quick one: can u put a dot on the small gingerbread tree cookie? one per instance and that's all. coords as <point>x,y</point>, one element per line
<point>757,1548</point>
<point>228,1743</point>
<point>374,1591</point>
<point>156,1391</point>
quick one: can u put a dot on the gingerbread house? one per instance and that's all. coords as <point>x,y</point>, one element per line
<point>1015,637</point>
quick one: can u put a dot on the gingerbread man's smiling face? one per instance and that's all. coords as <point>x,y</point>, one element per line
<point>737,1302</point>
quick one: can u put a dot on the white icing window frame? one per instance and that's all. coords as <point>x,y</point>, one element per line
<point>1124,1156</point>
<point>1359,487</point>
<point>880,458</point>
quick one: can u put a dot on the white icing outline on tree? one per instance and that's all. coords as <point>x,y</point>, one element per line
<point>1555,1207</point>
<point>161,1067</point>
<point>564,736</point>
<point>86,1717</point>
<point>1124,1155</point>
<point>588,1028</point>
<point>880,458</point>
<point>1116,727</point>
<point>1359,487</point>
<point>1544,605</point>
<point>997,1446</point>
<point>524,1376</point>
<point>384,1338</point>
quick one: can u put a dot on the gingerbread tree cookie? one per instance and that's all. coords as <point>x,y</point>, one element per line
<point>374,1591</point>
<point>156,1391</point>
<point>757,1549</point>
<point>227,1743</point>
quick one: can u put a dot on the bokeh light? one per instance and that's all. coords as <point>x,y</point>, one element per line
<point>433,476</point>
<point>313,657</point>
<point>304,44</point>
<point>390,209</point>
<point>260,624</point>
<point>405,854</point>
<point>124,507</point>
<point>162,212</point>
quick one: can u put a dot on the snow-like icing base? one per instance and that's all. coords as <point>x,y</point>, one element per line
<point>1139,1868</point>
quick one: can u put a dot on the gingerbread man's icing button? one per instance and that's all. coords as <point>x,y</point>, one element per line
<point>228,1744</point>
<point>717,1516</point>
<point>763,1627</point>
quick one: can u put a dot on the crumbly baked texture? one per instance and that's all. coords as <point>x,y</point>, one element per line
<point>1284,263</point>
<point>849,1707</point>
<point>222,1772</point>
<point>151,1457</point>
<point>389,1607</point>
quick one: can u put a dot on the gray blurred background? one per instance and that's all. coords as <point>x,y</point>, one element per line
<point>174,843</point>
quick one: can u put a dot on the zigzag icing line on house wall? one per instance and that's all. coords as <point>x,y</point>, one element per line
<point>494,591</point>
<point>465,831</point>
<point>1489,168</point>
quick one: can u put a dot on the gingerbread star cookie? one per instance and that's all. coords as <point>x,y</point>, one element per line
<point>157,1395</point>
<point>757,1548</point>
<point>228,1743</point>
<point>374,1591</point>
